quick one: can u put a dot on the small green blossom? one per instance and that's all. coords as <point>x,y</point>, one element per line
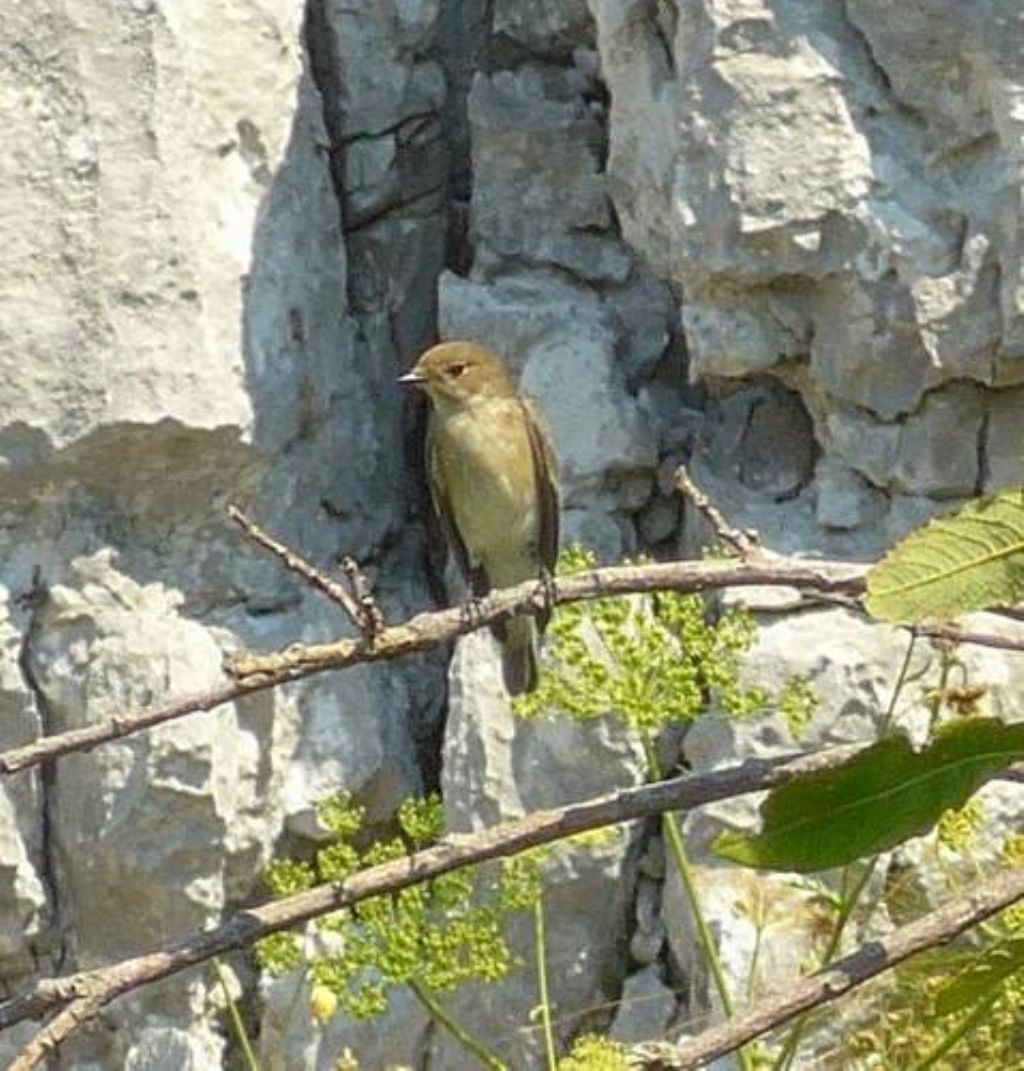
<point>594,1053</point>
<point>286,877</point>
<point>798,703</point>
<point>340,815</point>
<point>279,953</point>
<point>957,829</point>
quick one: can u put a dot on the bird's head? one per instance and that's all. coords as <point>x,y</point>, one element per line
<point>457,374</point>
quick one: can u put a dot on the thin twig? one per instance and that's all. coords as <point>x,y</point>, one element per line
<point>937,928</point>
<point>978,639</point>
<point>255,673</point>
<point>295,563</point>
<point>89,991</point>
<point>746,544</point>
<point>371,620</point>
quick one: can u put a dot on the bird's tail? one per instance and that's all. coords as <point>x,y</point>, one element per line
<point>519,655</point>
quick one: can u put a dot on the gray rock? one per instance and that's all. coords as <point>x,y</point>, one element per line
<point>925,464</point>
<point>497,767</point>
<point>1004,441</point>
<point>533,133</point>
<point>845,498</point>
<point>646,1007</point>
<point>543,28</point>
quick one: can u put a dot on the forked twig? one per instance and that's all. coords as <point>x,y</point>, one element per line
<point>296,563</point>
<point>745,543</point>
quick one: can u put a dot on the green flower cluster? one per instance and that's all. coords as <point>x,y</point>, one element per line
<point>650,660</point>
<point>434,936</point>
<point>594,1053</point>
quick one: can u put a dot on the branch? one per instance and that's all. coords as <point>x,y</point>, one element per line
<point>745,543</point>
<point>81,996</point>
<point>295,563</point>
<point>371,620</point>
<point>978,639</point>
<point>255,673</point>
<point>937,928</point>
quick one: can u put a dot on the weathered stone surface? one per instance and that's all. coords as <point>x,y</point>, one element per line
<point>23,890</point>
<point>926,465</point>
<point>645,1008</point>
<point>1004,440</point>
<point>174,334</point>
<point>533,132</point>
<point>128,877</point>
<point>497,766</point>
<point>543,28</point>
<point>845,498</point>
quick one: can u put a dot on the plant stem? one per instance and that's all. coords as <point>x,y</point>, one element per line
<point>958,1033</point>
<point>463,1036</point>
<point>237,1026</point>
<point>677,850</point>
<point>787,1054</point>
<point>901,680</point>
<point>540,944</point>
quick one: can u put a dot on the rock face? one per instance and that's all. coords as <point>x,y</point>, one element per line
<point>781,239</point>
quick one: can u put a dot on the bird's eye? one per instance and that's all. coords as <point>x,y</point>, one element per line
<point>456,370</point>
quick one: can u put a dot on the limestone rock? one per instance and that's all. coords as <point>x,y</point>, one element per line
<point>532,132</point>
<point>926,464</point>
<point>497,766</point>
<point>1004,446</point>
<point>646,1007</point>
<point>845,498</point>
<point>543,28</point>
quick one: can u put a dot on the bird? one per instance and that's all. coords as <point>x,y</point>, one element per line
<point>494,485</point>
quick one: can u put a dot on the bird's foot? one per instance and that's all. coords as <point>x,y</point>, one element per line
<point>471,612</point>
<point>547,592</point>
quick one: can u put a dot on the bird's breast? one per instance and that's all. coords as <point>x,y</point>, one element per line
<point>486,465</point>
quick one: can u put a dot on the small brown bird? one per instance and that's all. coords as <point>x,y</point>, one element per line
<point>494,485</point>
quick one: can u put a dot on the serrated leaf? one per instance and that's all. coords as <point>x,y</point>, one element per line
<point>966,560</point>
<point>981,978</point>
<point>878,799</point>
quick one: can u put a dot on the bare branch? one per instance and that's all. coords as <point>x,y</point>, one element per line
<point>87,737</point>
<point>746,544</point>
<point>430,630</point>
<point>978,639</point>
<point>89,991</point>
<point>255,673</point>
<point>806,994</point>
<point>295,563</point>
<point>371,620</point>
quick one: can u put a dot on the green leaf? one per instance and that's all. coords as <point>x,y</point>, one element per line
<point>876,800</point>
<point>963,561</point>
<point>985,974</point>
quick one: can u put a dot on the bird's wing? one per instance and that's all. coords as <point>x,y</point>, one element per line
<point>545,468</point>
<point>473,575</point>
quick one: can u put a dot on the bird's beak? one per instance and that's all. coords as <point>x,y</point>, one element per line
<point>412,379</point>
